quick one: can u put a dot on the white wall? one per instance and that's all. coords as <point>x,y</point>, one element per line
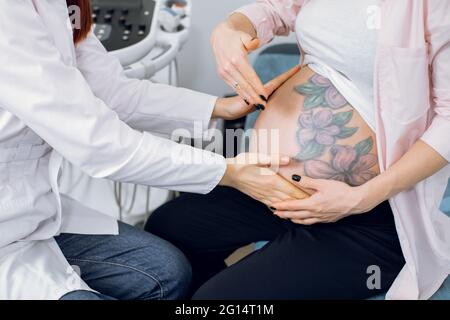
<point>196,61</point>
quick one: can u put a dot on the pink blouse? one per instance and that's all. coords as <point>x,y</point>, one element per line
<point>412,101</point>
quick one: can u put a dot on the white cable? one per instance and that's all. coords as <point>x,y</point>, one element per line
<point>147,204</point>
<point>177,74</point>
<point>118,186</point>
<point>118,197</point>
<point>170,73</point>
<point>133,200</point>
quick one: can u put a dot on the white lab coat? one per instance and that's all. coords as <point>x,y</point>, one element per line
<point>58,101</point>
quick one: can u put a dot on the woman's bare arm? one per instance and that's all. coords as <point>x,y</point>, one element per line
<point>419,163</point>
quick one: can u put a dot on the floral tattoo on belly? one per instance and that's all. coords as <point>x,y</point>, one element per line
<point>321,126</point>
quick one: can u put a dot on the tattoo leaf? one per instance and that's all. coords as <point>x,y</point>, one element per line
<point>312,102</point>
<point>364,147</point>
<point>311,151</point>
<point>346,132</point>
<point>342,118</point>
<point>309,89</point>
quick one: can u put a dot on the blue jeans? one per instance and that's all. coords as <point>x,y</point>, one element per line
<point>134,265</point>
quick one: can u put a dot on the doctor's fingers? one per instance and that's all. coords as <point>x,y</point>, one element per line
<point>269,160</point>
<point>289,189</point>
<point>277,194</point>
<point>279,188</point>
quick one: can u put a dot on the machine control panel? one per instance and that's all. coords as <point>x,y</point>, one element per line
<point>122,23</point>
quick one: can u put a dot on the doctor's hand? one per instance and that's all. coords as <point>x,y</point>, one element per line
<point>232,41</point>
<point>330,201</point>
<point>235,108</point>
<point>255,175</point>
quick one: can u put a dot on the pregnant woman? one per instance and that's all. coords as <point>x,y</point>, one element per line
<point>368,138</point>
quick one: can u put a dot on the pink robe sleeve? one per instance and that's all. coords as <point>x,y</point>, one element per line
<point>272,17</point>
<point>437,135</point>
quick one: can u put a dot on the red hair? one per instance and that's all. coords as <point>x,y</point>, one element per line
<point>79,34</point>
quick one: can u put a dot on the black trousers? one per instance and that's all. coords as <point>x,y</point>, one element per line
<point>355,258</point>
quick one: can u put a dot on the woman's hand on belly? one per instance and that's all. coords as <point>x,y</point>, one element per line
<point>332,201</point>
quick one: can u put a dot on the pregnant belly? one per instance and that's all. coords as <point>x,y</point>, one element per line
<point>307,119</point>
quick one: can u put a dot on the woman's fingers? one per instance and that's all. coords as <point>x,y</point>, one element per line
<point>307,222</point>
<point>297,215</point>
<point>275,83</point>
<point>245,81</point>
<point>249,86</point>
<point>244,89</point>
<point>252,79</point>
<point>308,204</point>
<point>231,48</point>
<point>306,182</point>
<point>250,44</point>
<point>241,85</point>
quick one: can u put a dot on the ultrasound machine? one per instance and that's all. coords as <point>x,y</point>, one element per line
<point>146,35</point>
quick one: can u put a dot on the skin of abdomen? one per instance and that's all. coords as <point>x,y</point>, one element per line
<point>310,121</point>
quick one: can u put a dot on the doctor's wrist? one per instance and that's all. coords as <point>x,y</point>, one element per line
<point>229,108</point>
<point>218,111</point>
<point>231,174</point>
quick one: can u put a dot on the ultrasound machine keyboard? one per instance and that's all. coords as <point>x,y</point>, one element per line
<point>122,23</point>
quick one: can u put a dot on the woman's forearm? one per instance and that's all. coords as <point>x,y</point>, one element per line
<point>241,22</point>
<point>419,163</point>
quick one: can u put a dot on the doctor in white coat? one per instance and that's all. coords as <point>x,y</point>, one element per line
<point>61,100</point>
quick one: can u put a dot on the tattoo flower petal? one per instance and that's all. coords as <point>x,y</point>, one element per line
<point>366,162</point>
<point>343,158</point>
<point>320,81</point>
<point>334,99</point>
<point>320,92</point>
<point>305,136</point>
<point>325,139</point>
<point>317,127</point>
<point>332,130</point>
<point>322,118</point>
<point>346,166</point>
<point>306,120</point>
<point>319,169</point>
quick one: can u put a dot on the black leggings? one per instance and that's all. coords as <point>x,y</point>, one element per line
<point>323,261</point>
